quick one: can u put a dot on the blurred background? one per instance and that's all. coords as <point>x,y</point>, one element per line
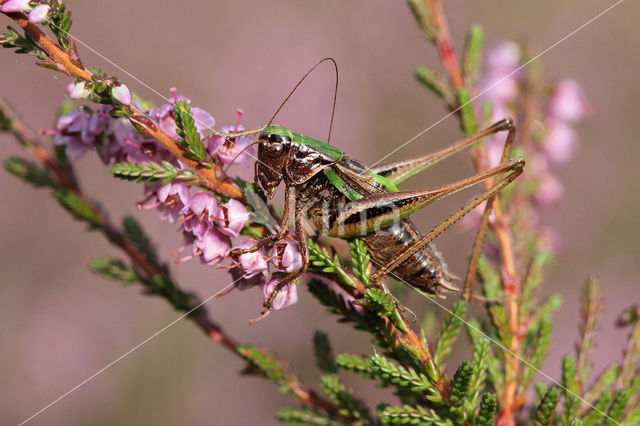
<point>59,324</point>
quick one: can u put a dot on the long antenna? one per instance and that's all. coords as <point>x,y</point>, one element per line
<point>335,94</point>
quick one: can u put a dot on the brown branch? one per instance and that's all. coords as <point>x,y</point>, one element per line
<point>214,178</point>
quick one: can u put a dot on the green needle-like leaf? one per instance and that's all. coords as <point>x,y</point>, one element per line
<point>323,352</point>
<point>449,331</point>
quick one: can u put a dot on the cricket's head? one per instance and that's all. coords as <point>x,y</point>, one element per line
<point>273,150</point>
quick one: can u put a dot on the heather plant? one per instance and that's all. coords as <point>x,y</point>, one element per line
<point>185,170</point>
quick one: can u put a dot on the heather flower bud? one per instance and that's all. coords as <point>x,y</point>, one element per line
<point>80,91</point>
<point>39,13</point>
<point>286,297</point>
<point>286,256</point>
<point>121,93</point>
<point>15,6</point>
<point>232,217</point>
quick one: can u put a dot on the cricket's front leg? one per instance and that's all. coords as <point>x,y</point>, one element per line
<point>290,196</point>
<point>301,238</point>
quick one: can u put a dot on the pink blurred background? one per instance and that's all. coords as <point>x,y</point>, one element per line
<point>60,323</point>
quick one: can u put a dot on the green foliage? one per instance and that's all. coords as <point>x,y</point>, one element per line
<point>570,391</point>
<point>13,40</point>
<point>539,346</point>
<point>323,352</point>
<point>435,82</point>
<point>262,362</point>
<point>410,415</point>
<point>136,236</point>
<point>60,22</point>
<point>113,269</point>
<point>161,285</point>
<point>449,331</point>
<point>319,259</point>
<point>355,364</point>
<point>399,376</point>
<point>467,116</point>
<point>151,172</point>
<point>79,208</point>
<point>595,416</point>
<point>547,408</point>
<point>28,171</point>
<point>304,416</point>
<point>379,301</point>
<point>617,407</point>
<point>487,410</point>
<point>343,397</point>
<point>189,138</point>
<point>384,305</point>
<point>473,53</point>
<point>361,261</point>
<point>460,390</point>
<point>481,352</point>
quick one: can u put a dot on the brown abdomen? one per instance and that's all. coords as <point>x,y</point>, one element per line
<point>425,269</point>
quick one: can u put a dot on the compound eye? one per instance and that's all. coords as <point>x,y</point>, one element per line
<point>275,137</point>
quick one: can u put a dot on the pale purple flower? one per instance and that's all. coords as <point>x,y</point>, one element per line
<point>212,248</point>
<point>501,80</point>
<point>232,217</point>
<point>39,13</point>
<point>231,151</point>
<point>286,297</point>
<point>252,263</point>
<point>199,214</point>
<point>285,256</point>
<point>80,91</point>
<point>121,93</point>
<point>560,143</point>
<point>549,190</point>
<point>72,130</point>
<point>569,101</point>
<point>15,6</point>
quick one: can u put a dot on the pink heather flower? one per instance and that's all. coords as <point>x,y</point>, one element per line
<point>121,93</point>
<point>569,101</point>
<point>199,214</point>
<point>286,297</point>
<point>170,199</point>
<point>561,142</point>
<point>232,217</point>
<point>501,79</point>
<point>39,13</point>
<point>550,190</point>
<point>227,151</point>
<point>286,256</point>
<point>15,6</point>
<point>252,263</point>
<point>80,91</point>
<point>212,248</point>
